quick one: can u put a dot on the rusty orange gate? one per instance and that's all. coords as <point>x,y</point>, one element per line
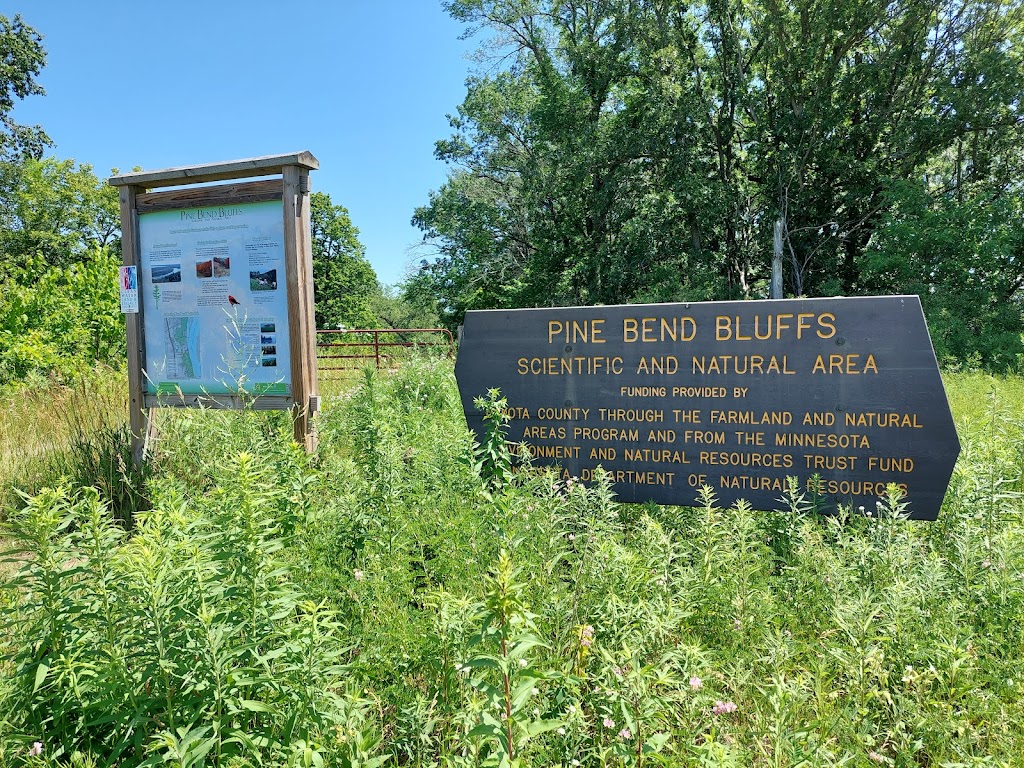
<point>352,349</point>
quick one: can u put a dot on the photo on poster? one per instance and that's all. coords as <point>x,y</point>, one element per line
<point>268,328</point>
<point>167,273</point>
<point>268,339</point>
<point>204,269</point>
<point>269,349</point>
<point>263,281</point>
<point>221,267</point>
<point>269,362</point>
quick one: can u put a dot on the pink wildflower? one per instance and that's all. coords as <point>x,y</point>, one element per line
<point>609,723</point>
<point>723,707</point>
<point>358,575</point>
<point>587,636</point>
<point>696,683</point>
<point>36,749</point>
<point>872,755</point>
<point>625,734</point>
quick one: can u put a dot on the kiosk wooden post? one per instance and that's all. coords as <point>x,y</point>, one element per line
<point>292,190</point>
<point>299,277</point>
<point>138,414</point>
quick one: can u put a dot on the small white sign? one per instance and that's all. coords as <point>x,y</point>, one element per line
<point>129,278</point>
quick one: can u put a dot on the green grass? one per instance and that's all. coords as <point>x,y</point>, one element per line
<point>973,395</point>
<point>41,424</point>
<point>533,624</point>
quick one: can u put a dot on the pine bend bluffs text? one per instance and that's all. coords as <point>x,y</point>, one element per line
<point>779,326</point>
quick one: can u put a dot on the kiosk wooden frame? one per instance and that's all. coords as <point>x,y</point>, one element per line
<point>292,188</point>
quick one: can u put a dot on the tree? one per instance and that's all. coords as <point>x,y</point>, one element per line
<point>625,150</point>
<point>61,320</point>
<point>343,280</point>
<point>859,97</point>
<point>965,258</point>
<point>21,60</point>
<point>395,308</point>
<point>54,212</point>
<point>59,306</point>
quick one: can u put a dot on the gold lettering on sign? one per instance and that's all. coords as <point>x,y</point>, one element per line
<point>630,414</point>
<point>563,414</point>
<point>566,366</point>
<point>890,464</point>
<point>855,487</point>
<point>706,438</point>
<point>775,326</point>
<point>839,463</point>
<point>820,440</point>
<point>653,329</point>
<point>737,459</point>
<point>642,391</point>
<point>825,419</point>
<point>658,364</point>
<point>749,438</point>
<point>576,331</point>
<point>655,455</point>
<point>686,417</point>
<point>752,483</point>
<point>741,364</point>
<point>606,434</point>
<point>906,420</point>
<point>845,364</point>
<point>554,451</point>
<point>661,436</point>
<point>784,418</point>
<point>544,433</point>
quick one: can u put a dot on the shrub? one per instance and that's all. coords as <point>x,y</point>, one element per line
<point>61,321</point>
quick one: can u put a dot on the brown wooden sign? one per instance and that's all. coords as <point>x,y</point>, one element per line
<point>739,396</point>
<point>221,296</point>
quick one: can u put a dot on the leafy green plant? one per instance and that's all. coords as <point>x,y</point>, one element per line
<point>61,320</point>
<point>502,672</point>
<point>493,458</point>
<point>187,643</point>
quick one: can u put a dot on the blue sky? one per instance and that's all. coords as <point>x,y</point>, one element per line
<point>364,86</point>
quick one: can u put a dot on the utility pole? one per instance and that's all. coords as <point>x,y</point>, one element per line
<point>776,289</point>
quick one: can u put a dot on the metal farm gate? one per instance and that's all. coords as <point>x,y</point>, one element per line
<point>353,349</point>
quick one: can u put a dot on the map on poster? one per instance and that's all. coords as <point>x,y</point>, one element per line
<point>215,307</point>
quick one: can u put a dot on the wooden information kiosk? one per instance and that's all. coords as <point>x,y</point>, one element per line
<point>223,314</point>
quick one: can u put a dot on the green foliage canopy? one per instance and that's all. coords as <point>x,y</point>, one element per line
<point>61,320</point>
<point>344,282</point>
<point>966,261</point>
<point>621,151</point>
<point>55,211</point>
<point>21,60</point>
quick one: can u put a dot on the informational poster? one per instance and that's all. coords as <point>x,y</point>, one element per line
<point>215,306</point>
